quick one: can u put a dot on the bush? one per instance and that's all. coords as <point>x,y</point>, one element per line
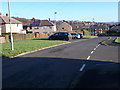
<point>113,33</point>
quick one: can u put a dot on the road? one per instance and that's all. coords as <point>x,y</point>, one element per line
<point>61,66</point>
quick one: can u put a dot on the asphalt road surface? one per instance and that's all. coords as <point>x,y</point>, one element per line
<point>66,66</point>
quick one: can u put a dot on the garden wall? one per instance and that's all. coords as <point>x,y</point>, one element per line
<point>2,40</point>
<point>17,37</point>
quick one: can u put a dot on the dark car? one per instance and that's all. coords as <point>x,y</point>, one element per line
<point>75,35</point>
<point>61,36</point>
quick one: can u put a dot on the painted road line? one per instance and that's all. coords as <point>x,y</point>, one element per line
<point>88,58</point>
<point>98,44</point>
<point>92,52</point>
<point>83,66</point>
<point>95,48</point>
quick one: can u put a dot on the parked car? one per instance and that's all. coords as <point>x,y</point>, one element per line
<point>60,36</point>
<point>75,35</point>
<point>81,35</point>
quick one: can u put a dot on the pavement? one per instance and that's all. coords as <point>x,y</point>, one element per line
<point>63,66</point>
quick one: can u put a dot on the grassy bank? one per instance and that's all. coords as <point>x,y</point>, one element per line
<point>117,40</point>
<point>26,46</point>
<point>90,36</point>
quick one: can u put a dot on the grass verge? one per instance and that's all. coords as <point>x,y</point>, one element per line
<point>117,40</point>
<point>26,46</point>
<point>90,36</point>
<point>108,41</point>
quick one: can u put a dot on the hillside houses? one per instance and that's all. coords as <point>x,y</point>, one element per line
<point>74,26</point>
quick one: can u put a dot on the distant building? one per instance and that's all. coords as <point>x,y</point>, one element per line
<point>64,26</point>
<point>43,26</point>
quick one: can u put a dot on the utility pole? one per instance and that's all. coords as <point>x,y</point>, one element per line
<point>11,37</point>
<point>94,26</point>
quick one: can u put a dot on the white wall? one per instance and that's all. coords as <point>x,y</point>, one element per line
<point>54,28</point>
<point>16,28</point>
<point>42,30</point>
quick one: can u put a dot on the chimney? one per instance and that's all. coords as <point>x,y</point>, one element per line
<point>33,19</point>
<point>7,14</point>
<point>49,19</point>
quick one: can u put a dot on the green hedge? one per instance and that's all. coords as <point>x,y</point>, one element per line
<point>87,33</point>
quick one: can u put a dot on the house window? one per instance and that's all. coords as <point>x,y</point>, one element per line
<point>45,27</point>
<point>17,25</point>
<point>45,32</point>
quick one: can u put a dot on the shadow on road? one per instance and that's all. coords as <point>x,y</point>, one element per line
<point>42,72</point>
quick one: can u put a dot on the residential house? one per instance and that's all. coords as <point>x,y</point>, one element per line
<point>99,28</point>
<point>115,27</point>
<point>64,26</point>
<point>43,26</point>
<point>1,21</point>
<point>16,26</point>
<point>26,23</point>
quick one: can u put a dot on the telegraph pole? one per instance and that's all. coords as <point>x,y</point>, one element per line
<point>94,26</point>
<point>11,37</point>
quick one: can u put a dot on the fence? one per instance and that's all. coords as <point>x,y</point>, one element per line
<point>17,37</point>
<point>39,35</point>
<point>2,40</point>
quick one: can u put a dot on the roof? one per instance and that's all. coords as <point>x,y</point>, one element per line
<point>25,21</point>
<point>42,23</point>
<point>5,20</point>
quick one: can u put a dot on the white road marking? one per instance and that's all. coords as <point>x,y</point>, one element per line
<point>83,66</point>
<point>95,48</point>
<point>92,52</point>
<point>98,44</point>
<point>88,58</point>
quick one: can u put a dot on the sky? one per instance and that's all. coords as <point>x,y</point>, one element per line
<point>82,11</point>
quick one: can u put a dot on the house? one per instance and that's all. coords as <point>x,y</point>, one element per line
<point>16,26</point>
<point>99,28</point>
<point>64,26</point>
<point>26,23</point>
<point>43,26</point>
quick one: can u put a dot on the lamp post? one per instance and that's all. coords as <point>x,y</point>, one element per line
<point>11,37</point>
<point>93,27</point>
<point>55,15</point>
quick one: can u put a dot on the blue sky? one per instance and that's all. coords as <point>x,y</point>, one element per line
<point>83,11</point>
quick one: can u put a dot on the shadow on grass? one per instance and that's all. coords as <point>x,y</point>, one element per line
<point>51,72</point>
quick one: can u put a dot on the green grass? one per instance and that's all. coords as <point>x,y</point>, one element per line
<point>26,46</point>
<point>42,38</point>
<point>90,36</point>
<point>117,40</point>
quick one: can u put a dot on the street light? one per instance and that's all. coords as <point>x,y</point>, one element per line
<point>55,15</point>
<point>93,27</point>
<point>11,37</point>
